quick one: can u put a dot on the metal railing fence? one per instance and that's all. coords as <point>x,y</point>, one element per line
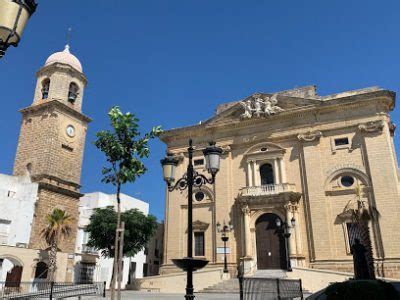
<point>50,290</point>
<point>252,288</point>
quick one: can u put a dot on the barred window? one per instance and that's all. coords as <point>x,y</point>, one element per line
<point>199,243</point>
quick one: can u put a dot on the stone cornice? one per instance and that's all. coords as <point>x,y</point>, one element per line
<point>58,105</point>
<point>313,110</point>
<point>60,190</point>
<point>51,178</point>
<point>64,68</point>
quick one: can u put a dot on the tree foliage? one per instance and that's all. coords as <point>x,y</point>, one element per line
<point>139,228</point>
<point>124,147</point>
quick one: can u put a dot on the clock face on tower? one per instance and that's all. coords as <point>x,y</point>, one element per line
<point>70,131</point>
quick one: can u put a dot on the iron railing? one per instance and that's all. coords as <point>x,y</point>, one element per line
<point>254,288</point>
<point>50,290</point>
<point>270,288</point>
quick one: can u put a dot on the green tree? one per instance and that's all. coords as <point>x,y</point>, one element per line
<point>58,227</point>
<point>124,148</point>
<point>139,228</point>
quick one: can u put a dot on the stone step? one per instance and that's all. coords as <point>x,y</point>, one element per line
<point>272,273</point>
<point>226,286</point>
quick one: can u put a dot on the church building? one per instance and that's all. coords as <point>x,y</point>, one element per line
<point>291,160</point>
<point>47,172</point>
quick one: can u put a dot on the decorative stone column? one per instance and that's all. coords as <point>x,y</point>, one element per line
<point>257,177</point>
<point>292,243</point>
<point>276,172</point>
<point>250,173</point>
<point>247,233</point>
<point>282,170</point>
<point>297,230</point>
<point>247,259</point>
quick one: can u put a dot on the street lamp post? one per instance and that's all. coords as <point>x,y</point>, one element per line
<point>224,230</point>
<point>189,180</point>
<point>284,229</point>
<point>14,15</point>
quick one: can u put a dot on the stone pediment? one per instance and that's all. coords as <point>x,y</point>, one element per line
<point>259,106</point>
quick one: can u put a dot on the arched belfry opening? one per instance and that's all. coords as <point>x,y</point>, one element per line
<point>270,243</point>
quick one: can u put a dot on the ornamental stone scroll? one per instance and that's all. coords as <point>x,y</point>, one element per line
<point>370,127</point>
<point>309,136</point>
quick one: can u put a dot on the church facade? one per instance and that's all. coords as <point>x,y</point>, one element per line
<point>299,159</point>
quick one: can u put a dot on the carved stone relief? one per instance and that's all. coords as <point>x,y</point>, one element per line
<point>260,106</point>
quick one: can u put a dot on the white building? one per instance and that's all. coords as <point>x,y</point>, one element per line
<point>17,204</point>
<point>90,265</point>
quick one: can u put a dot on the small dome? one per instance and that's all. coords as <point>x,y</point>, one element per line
<point>64,57</point>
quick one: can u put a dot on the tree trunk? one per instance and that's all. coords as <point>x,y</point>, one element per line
<point>116,248</point>
<point>52,261</point>
<point>366,240</point>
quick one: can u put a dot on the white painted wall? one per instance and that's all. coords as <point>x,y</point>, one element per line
<point>104,266</point>
<point>17,203</point>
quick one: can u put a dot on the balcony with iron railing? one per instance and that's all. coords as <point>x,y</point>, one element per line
<point>89,250</point>
<point>267,190</point>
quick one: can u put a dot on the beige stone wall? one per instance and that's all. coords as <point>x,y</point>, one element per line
<point>28,258</point>
<point>313,165</point>
<point>48,201</point>
<point>44,144</point>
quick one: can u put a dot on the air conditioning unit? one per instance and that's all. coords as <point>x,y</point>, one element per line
<point>22,245</point>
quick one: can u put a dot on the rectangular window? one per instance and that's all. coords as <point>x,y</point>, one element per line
<point>341,142</point>
<point>198,162</point>
<point>4,231</point>
<point>199,243</point>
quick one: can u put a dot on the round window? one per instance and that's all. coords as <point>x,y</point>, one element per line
<point>199,196</point>
<point>347,181</point>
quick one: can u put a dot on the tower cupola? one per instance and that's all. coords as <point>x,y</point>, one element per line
<point>62,79</point>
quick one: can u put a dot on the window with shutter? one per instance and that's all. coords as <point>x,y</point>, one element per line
<point>199,243</point>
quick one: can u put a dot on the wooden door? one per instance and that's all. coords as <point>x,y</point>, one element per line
<point>270,244</point>
<point>13,278</point>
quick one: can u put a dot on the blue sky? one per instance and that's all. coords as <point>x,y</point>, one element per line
<point>172,62</point>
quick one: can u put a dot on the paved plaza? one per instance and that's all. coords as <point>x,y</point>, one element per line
<point>156,296</point>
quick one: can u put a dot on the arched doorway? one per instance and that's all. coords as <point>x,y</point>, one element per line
<point>10,272</point>
<point>270,243</point>
<point>41,270</point>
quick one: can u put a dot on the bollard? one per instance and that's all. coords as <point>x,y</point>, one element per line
<point>51,290</point>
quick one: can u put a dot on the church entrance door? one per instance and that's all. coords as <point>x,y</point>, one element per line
<point>270,243</point>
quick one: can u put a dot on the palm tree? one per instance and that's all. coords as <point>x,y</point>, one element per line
<point>361,216</point>
<point>58,227</point>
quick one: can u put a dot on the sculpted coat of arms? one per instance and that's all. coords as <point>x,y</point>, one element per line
<point>260,106</point>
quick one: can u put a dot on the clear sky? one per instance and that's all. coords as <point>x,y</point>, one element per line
<point>172,62</point>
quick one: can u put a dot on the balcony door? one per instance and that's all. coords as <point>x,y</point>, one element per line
<point>267,174</point>
<point>270,244</point>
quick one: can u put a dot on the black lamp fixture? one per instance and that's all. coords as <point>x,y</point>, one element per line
<point>284,229</point>
<point>14,15</point>
<point>224,230</point>
<point>189,180</point>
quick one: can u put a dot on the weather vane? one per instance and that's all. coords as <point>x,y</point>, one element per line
<point>69,35</point>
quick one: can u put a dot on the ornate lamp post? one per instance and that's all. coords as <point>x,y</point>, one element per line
<point>14,15</point>
<point>284,229</point>
<point>189,180</point>
<point>224,230</point>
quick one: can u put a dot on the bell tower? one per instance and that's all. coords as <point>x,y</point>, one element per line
<point>51,142</point>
